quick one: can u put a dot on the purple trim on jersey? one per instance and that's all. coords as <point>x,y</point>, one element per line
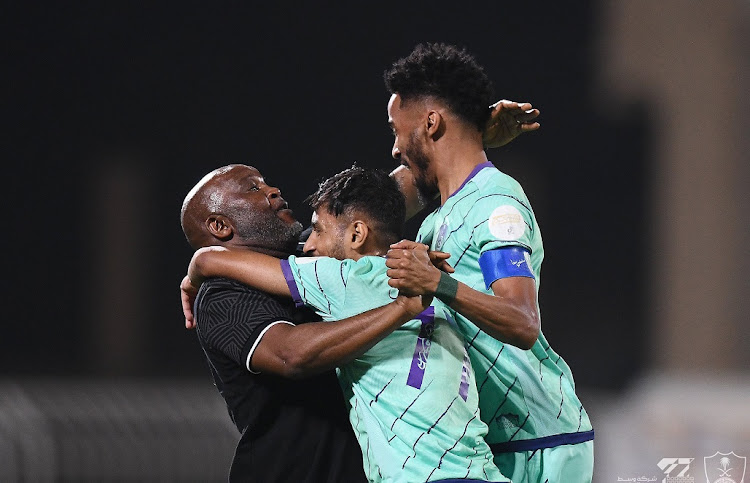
<point>463,480</point>
<point>504,262</point>
<point>422,349</point>
<point>463,388</point>
<point>542,443</point>
<point>286,269</point>
<point>479,167</point>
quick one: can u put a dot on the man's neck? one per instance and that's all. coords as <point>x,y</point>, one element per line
<point>454,165</point>
<point>267,251</point>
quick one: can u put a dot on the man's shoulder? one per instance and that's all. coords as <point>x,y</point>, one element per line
<point>225,293</point>
<point>493,181</point>
<point>216,285</point>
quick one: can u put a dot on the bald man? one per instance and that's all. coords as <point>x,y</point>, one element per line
<point>274,370</point>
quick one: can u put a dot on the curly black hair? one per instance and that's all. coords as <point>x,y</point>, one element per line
<point>448,73</point>
<point>371,192</point>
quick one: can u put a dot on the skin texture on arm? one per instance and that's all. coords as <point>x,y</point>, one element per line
<point>262,272</point>
<point>306,349</point>
<point>295,351</point>
<point>510,315</point>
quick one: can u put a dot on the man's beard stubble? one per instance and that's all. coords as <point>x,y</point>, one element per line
<point>427,188</point>
<point>270,232</point>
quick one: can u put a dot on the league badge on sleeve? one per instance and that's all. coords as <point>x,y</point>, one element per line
<point>506,223</point>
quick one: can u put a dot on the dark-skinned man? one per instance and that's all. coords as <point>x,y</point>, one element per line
<point>538,429</point>
<point>247,331</point>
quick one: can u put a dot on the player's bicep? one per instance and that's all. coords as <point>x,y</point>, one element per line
<point>269,352</point>
<point>521,290</point>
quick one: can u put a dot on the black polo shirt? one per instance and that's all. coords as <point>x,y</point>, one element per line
<point>291,430</point>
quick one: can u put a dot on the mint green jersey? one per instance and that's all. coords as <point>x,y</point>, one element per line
<point>412,398</point>
<point>523,394</point>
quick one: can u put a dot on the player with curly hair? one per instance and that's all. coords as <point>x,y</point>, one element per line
<point>538,429</point>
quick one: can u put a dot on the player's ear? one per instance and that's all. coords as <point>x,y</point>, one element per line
<point>358,234</point>
<point>219,227</point>
<point>434,125</point>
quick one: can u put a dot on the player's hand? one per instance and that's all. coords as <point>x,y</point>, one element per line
<point>509,119</point>
<point>440,260</point>
<point>415,304</point>
<point>187,296</point>
<point>410,269</point>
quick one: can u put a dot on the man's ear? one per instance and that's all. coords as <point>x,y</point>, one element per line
<point>435,125</point>
<point>358,232</point>
<point>219,227</point>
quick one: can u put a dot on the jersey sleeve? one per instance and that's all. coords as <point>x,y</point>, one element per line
<point>501,220</point>
<point>318,282</point>
<point>232,318</point>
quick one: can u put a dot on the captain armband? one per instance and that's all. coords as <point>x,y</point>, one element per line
<point>504,262</point>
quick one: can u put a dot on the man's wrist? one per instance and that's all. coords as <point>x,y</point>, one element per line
<point>446,288</point>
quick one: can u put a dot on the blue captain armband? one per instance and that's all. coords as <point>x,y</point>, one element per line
<point>504,262</point>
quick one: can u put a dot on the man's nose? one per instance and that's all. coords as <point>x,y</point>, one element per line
<point>395,152</point>
<point>309,244</point>
<point>272,192</point>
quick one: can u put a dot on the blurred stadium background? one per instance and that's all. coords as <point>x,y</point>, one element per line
<point>639,177</point>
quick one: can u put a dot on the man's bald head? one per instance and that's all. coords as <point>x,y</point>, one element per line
<point>233,206</point>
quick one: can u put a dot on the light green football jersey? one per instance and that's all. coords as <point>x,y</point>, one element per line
<point>523,394</point>
<point>412,397</point>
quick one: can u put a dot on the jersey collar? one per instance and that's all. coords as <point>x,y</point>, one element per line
<point>479,167</point>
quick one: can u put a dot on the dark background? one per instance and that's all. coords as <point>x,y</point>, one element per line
<point>113,112</point>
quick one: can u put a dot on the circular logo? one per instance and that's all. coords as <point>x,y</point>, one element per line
<point>506,223</point>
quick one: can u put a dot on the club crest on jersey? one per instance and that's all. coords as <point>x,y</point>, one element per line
<point>506,223</point>
<point>442,235</point>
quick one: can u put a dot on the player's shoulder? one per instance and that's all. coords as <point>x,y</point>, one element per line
<point>225,286</point>
<point>491,180</point>
<point>223,292</point>
<point>346,268</point>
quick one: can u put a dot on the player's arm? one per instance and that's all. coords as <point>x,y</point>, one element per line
<point>262,272</point>
<point>510,315</point>
<point>508,120</point>
<point>289,350</point>
<point>296,351</point>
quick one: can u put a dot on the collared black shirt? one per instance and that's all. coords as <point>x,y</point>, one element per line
<point>291,430</point>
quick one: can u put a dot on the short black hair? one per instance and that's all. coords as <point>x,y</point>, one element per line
<point>448,73</point>
<point>371,192</point>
